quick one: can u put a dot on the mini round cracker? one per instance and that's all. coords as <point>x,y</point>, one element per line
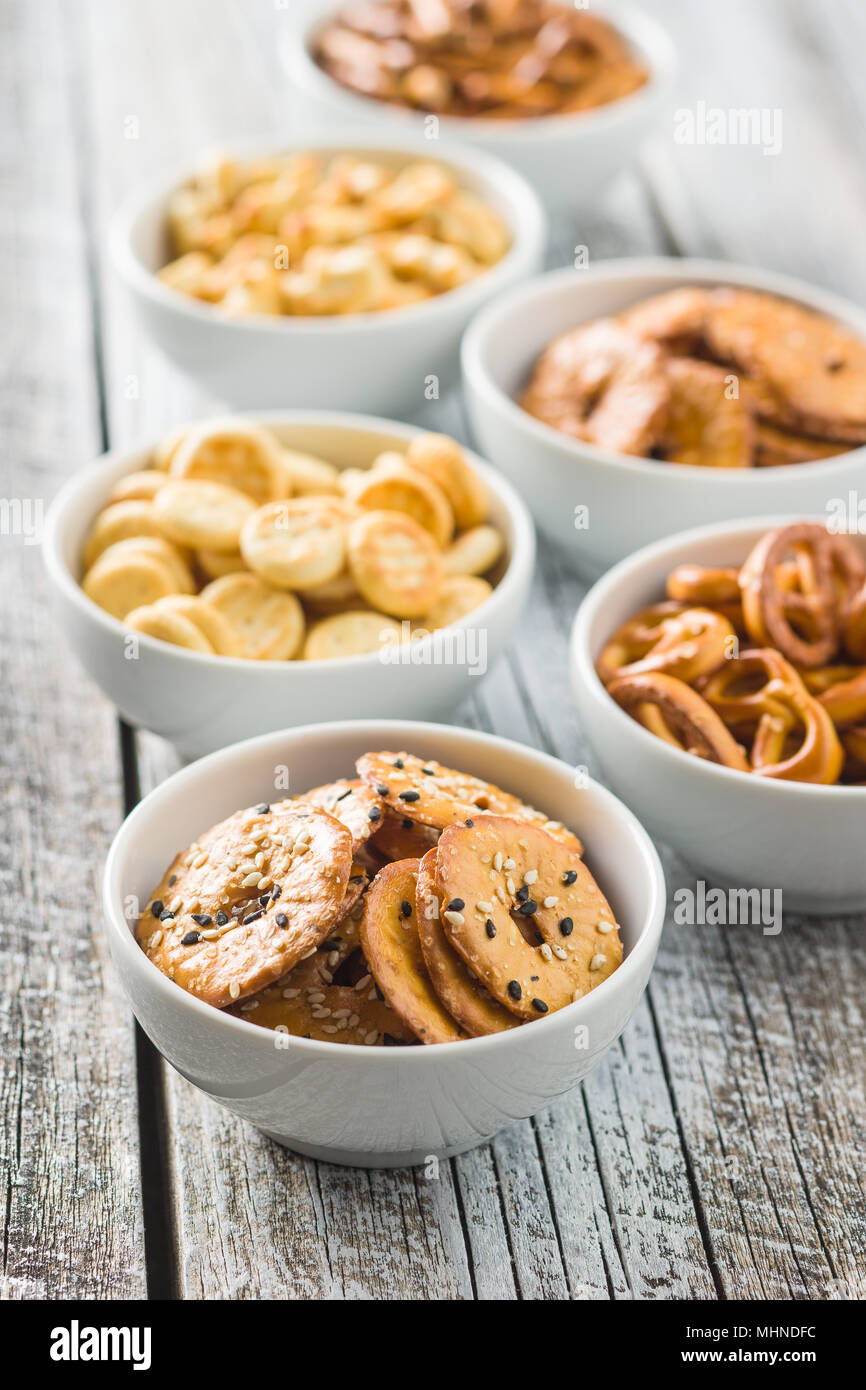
<point>213,624</point>
<point>389,936</point>
<point>474,552</point>
<point>140,486</point>
<point>334,596</point>
<point>172,556</point>
<point>215,563</point>
<point>118,583</point>
<point>268,623</point>
<point>295,544</point>
<point>442,460</point>
<point>350,634</point>
<point>395,488</point>
<point>120,521</point>
<point>204,515</point>
<point>352,802</point>
<point>309,476</point>
<point>548,889</point>
<point>168,626</point>
<point>303,891</point>
<point>236,453</point>
<point>459,595</point>
<point>427,792</point>
<point>395,563</point>
<point>464,997</point>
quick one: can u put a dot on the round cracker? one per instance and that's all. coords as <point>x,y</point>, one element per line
<point>120,521</point>
<point>269,624</point>
<point>350,634</point>
<point>215,563</point>
<point>465,999</point>
<point>118,583</point>
<point>459,595</point>
<point>309,476</point>
<point>140,486</point>
<point>352,802</point>
<point>391,487</point>
<point>395,563</point>
<point>205,515</point>
<point>236,453</point>
<point>389,936</point>
<point>442,460</point>
<point>544,885</point>
<point>295,544</point>
<point>281,898</point>
<point>474,552</point>
<point>168,626</point>
<point>213,624</point>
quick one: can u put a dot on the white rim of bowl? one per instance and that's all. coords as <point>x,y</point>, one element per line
<point>647,942</point>
<point>671,271</point>
<point>583,665</point>
<point>520,558</point>
<point>526,222</point>
<point>650,40</point>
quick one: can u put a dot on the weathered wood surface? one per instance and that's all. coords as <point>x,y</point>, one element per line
<point>714,1153</point>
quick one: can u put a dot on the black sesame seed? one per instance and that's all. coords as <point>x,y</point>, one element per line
<point>263,808</point>
<point>398,762</point>
<point>470,823</point>
<point>375,813</point>
<point>166,916</point>
<point>535,979</point>
<point>566,926</point>
<point>406,823</point>
<point>410,796</point>
<point>456,905</point>
<point>253,916</point>
<point>539,1006</point>
<point>221,918</point>
<point>490,928</point>
<point>276,891</point>
<point>514,989</point>
<point>405,908</point>
<point>202,918</point>
<point>172,881</point>
<point>570,876</point>
<point>523,893</point>
<point>264,899</point>
<point>191,939</point>
<point>382,789</point>
<point>528,909</point>
<point>157,907</point>
<point>281,919</point>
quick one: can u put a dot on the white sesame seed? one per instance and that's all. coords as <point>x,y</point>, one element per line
<point>210,934</point>
<point>501,894</point>
<point>176,906</point>
<point>154,940</point>
<point>311,952</point>
<point>483,907</point>
<point>248,1005</point>
<point>454,919</point>
<point>509,863</point>
<point>291,993</point>
<point>530,876</point>
<point>598,961</point>
<point>354,1020</point>
<point>560,952</point>
<point>300,849</point>
<point>321,1013</point>
<point>259,860</point>
<point>546,951</point>
<point>551,902</point>
<point>315,997</point>
<point>251,880</point>
<point>605,926</point>
<point>265,882</point>
<point>510,886</point>
<point>258,835</point>
<point>497,860</point>
<point>303,836</point>
<point>330,1028</point>
<point>363,982</point>
<point>234,989</point>
<point>371,1037</point>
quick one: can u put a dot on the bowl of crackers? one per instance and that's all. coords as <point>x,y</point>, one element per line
<point>382,941</point>
<point>336,273</point>
<point>242,574</point>
<point>721,678</point>
<point>563,93</point>
<point>637,398</point>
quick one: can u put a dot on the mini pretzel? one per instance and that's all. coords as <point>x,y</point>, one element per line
<point>438,796</point>
<point>465,998</point>
<point>854,635</point>
<point>688,644</point>
<point>845,702</point>
<point>295,544</point>
<point>829,569</point>
<point>353,803</point>
<point>248,900</point>
<point>700,586</point>
<point>389,935</point>
<point>673,711</point>
<point>502,877</point>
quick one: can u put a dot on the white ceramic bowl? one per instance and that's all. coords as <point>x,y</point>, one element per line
<point>202,702</point>
<point>379,362</point>
<point>630,501</point>
<point>568,158</point>
<point>363,1105</point>
<point>741,831</point>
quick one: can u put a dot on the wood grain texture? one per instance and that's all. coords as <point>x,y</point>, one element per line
<point>72,1221</point>
<point>714,1151</point>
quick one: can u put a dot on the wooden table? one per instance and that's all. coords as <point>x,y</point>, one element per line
<point>718,1150</point>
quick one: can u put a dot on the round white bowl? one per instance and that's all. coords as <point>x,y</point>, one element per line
<point>567,158</point>
<point>741,831</point>
<point>379,362</point>
<point>630,501</point>
<point>202,702</point>
<point>380,1107</point>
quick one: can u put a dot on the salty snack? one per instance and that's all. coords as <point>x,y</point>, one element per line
<point>313,234</point>
<point>714,378</point>
<point>231,544</point>
<point>503,59</point>
<point>755,667</point>
<point>307,916</point>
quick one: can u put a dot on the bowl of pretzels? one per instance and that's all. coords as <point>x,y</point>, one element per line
<point>721,679</point>
<point>382,941</point>
<point>563,93</point>
<point>636,398</point>
<point>337,272</point>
